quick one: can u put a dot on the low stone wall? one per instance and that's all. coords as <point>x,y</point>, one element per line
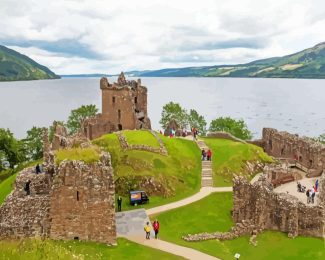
<point>126,146</point>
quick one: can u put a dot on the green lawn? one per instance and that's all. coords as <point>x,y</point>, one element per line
<point>181,168</point>
<point>142,137</point>
<point>88,155</point>
<point>33,249</point>
<point>229,157</point>
<point>6,187</point>
<point>213,214</point>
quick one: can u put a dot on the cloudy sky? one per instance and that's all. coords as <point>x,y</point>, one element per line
<point>107,36</point>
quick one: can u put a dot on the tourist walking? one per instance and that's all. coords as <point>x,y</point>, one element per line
<point>209,155</point>
<point>119,203</point>
<point>27,187</point>
<point>307,194</point>
<point>316,186</point>
<point>156,227</point>
<point>203,153</point>
<point>38,169</point>
<point>313,196</point>
<point>147,230</point>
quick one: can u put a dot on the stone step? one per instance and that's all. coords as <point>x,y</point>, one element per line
<point>207,183</point>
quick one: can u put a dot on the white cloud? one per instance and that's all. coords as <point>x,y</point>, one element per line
<point>151,34</point>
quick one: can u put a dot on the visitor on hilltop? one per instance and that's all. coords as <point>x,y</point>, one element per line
<point>147,230</point>
<point>38,169</point>
<point>307,194</point>
<point>170,133</point>
<point>313,194</point>
<point>316,186</point>
<point>203,154</point>
<point>156,227</point>
<point>119,203</point>
<point>27,187</point>
<point>209,155</point>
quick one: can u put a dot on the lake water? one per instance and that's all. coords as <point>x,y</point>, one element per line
<point>297,106</point>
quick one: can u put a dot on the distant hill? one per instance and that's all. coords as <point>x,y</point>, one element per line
<point>309,63</point>
<point>16,66</point>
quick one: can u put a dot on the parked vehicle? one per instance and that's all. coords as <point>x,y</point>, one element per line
<point>138,197</point>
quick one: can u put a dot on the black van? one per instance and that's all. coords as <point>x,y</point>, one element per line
<point>138,197</point>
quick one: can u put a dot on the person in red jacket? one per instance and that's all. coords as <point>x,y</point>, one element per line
<point>209,155</point>
<point>156,227</point>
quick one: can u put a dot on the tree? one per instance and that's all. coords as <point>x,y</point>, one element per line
<point>237,128</point>
<point>173,111</point>
<point>33,143</point>
<point>78,115</point>
<point>321,138</point>
<point>10,147</point>
<point>197,121</point>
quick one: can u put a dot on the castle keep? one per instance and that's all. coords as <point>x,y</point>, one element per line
<point>124,106</point>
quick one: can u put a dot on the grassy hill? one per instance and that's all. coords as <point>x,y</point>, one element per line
<point>178,173</point>
<point>16,66</point>
<point>309,63</point>
<point>231,157</point>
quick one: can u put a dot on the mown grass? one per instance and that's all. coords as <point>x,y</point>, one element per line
<point>229,158</point>
<point>87,155</point>
<point>140,137</point>
<point>34,249</point>
<point>213,214</point>
<point>181,167</point>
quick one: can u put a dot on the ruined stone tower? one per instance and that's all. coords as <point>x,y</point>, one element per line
<point>124,106</point>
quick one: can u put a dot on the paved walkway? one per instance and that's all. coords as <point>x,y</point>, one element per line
<point>204,192</point>
<point>174,249</point>
<point>130,224</point>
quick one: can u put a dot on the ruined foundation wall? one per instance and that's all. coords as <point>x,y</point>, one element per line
<point>83,202</point>
<point>258,204</point>
<point>307,152</point>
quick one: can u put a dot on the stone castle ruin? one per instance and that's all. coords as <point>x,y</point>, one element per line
<point>305,153</point>
<point>72,200</point>
<point>124,106</point>
<point>258,207</point>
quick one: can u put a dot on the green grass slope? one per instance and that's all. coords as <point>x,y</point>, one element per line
<point>229,157</point>
<point>34,249</point>
<point>309,63</point>
<point>6,187</point>
<point>180,170</point>
<point>16,66</point>
<point>213,214</point>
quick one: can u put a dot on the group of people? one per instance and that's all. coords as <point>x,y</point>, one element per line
<point>206,155</point>
<point>155,226</point>
<point>311,193</point>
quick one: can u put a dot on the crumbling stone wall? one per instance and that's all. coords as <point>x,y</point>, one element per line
<point>257,208</point>
<point>304,150</point>
<point>268,210</point>
<point>278,174</point>
<point>83,202</point>
<point>27,216</point>
<point>124,106</point>
<point>76,202</point>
